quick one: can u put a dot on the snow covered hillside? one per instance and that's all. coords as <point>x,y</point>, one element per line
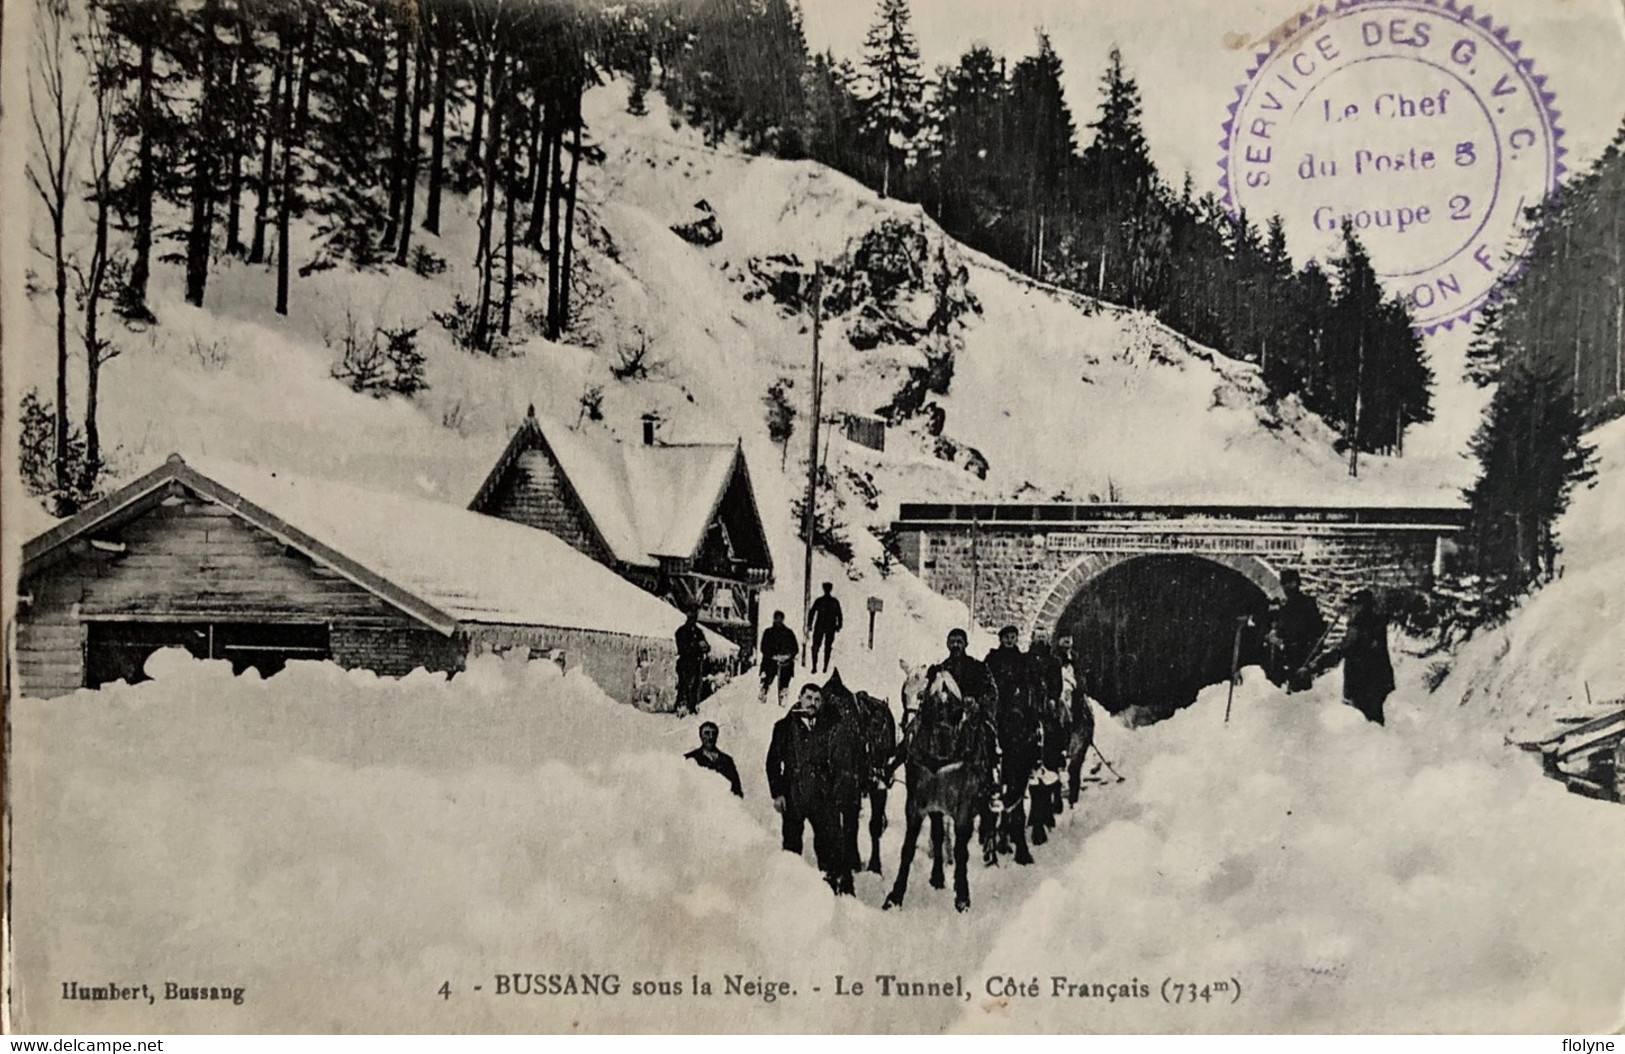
<point>1568,640</point>
<point>1059,393</point>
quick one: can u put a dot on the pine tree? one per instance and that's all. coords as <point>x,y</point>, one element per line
<point>1119,188</point>
<point>1531,456</point>
<point>1372,380</point>
<point>1045,144</point>
<point>893,102</point>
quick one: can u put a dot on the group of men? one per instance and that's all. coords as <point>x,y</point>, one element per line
<point>779,649</point>
<point>1036,705</point>
<point>817,773</point>
<point>779,645</point>
<point>1043,725</point>
<point>1295,647</point>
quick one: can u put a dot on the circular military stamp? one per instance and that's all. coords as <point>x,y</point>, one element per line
<point>1418,123</point>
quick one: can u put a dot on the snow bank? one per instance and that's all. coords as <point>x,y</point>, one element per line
<point>1351,877</point>
<point>340,844</point>
<point>1568,640</point>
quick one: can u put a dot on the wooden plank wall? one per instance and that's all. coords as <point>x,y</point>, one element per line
<point>190,559</point>
<point>533,493</point>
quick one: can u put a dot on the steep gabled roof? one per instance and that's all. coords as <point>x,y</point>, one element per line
<point>644,502</point>
<point>441,564</point>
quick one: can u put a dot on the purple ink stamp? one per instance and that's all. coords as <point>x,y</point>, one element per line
<point>1419,123</point>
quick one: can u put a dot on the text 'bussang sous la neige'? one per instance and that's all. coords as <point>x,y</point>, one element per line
<point>769,990</point>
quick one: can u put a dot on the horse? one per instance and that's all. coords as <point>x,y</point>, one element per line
<point>949,750</point>
<point>870,755</point>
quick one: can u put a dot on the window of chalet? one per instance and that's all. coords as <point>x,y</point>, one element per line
<point>118,651</point>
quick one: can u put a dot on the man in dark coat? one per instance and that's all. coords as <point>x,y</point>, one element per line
<point>707,756</point>
<point>1017,722</point>
<point>1075,698</point>
<point>1053,724</point>
<point>792,779</point>
<point>1296,626</point>
<point>1368,675</point>
<point>692,651</point>
<point>823,622</point>
<point>807,778</point>
<point>779,649</point>
<point>842,765</point>
<point>971,676</point>
<point>981,697</point>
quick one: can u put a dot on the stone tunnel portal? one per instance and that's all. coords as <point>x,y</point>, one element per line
<point>1154,630</point>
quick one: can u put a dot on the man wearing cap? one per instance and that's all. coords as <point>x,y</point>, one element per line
<point>823,622</point>
<point>779,649</point>
<point>1017,722</point>
<point>1296,626</point>
<point>707,756</point>
<point>1054,722</point>
<point>971,675</point>
<point>692,649</point>
<point>1075,697</point>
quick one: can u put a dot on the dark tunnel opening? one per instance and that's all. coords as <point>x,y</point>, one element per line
<point>1156,630</point>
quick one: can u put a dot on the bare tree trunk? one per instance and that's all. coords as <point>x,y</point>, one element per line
<point>483,256</point>
<point>135,294</point>
<point>437,122</point>
<point>262,198</point>
<point>397,133</point>
<point>536,112</point>
<point>55,120</point>
<point>414,154</point>
<point>507,238</point>
<point>293,127</point>
<point>538,206</point>
<point>200,235</point>
<point>569,225</point>
<point>242,84</point>
<point>481,62</point>
<point>107,144</point>
<point>554,255</point>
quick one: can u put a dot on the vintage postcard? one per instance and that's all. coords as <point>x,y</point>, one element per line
<point>813,516</point>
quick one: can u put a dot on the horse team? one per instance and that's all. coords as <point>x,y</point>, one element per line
<point>983,744</point>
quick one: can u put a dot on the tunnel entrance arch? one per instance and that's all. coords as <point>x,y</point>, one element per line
<point>1047,616</point>
<point>1026,564</point>
<point>1152,630</point>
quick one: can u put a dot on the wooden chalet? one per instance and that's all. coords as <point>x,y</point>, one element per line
<point>261,568</point>
<point>677,519</point>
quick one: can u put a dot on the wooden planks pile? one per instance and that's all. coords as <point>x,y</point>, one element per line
<point>1590,757</point>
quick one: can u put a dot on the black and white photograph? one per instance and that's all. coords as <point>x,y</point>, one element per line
<point>813,516</point>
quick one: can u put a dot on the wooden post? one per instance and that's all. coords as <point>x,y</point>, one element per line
<point>975,524</point>
<point>876,605</point>
<point>1354,424</point>
<point>808,520</point>
<point>1235,662</point>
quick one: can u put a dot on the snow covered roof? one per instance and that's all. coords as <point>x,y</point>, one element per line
<point>646,501</point>
<point>442,564</point>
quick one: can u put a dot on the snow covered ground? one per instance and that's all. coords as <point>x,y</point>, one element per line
<point>341,845</point>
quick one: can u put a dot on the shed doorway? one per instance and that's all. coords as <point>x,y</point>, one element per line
<point>118,651</point>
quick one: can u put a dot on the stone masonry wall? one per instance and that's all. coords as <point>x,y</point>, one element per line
<point>1022,580</point>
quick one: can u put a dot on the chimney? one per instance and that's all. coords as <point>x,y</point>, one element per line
<point>649,422</point>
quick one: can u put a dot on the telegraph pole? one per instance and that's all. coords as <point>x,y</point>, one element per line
<point>1359,393</point>
<point>807,518</point>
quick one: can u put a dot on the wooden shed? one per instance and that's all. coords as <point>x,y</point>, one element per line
<point>260,568</point>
